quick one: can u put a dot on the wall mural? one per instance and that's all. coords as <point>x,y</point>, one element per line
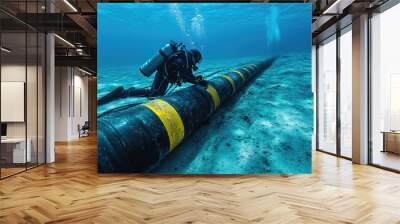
<point>204,88</point>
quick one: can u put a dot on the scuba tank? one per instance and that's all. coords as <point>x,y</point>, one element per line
<point>150,66</point>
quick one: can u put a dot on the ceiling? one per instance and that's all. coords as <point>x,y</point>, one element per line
<point>75,23</point>
<point>332,15</point>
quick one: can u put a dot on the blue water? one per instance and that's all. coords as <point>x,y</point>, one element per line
<point>267,127</point>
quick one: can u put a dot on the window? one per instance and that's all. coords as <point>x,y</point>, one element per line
<point>22,88</point>
<point>385,89</point>
<point>346,92</point>
<point>327,95</point>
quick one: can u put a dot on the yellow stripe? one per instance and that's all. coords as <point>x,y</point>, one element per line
<point>249,67</point>
<point>241,75</point>
<point>246,69</point>
<point>171,120</point>
<point>253,65</point>
<point>214,95</point>
<point>230,81</point>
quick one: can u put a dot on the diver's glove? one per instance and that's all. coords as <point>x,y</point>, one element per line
<point>201,81</point>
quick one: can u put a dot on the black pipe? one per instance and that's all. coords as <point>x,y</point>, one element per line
<point>136,139</point>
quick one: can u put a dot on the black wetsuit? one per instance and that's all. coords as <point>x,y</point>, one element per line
<point>177,69</point>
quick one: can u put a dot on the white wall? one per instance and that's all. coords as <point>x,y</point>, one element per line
<point>62,82</point>
<point>14,72</point>
<point>71,102</point>
<point>80,109</point>
<point>17,72</point>
<point>33,127</point>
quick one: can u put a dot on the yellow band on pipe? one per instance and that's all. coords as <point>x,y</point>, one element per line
<point>244,68</point>
<point>171,120</point>
<point>227,77</point>
<point>254,66</point>
<point>214,95</point>
<point>249,67</point>
<point>241,75</point>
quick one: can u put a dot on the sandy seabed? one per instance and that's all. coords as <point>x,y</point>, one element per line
<point>265,128</point>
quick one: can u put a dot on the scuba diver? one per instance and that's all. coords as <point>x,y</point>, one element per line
<point>174,65</point>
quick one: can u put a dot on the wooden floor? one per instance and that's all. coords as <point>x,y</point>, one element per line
<point>71,191</point>
<point>5,172</point>
<point>387,159</point>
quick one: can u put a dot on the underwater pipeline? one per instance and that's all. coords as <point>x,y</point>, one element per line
<point>137,138</point>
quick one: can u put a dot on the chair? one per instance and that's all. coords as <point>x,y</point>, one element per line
<point>84,130</point>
